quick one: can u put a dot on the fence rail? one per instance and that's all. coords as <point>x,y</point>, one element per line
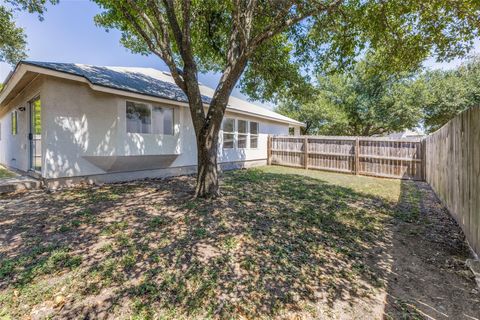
<point>380,157</point>
<point>453,170</point>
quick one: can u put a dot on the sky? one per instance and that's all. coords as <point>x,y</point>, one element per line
<point>68,34</point>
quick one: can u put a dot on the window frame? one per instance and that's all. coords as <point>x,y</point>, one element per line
<point>245,134</point>
<point>151,106</point>
<point>232,133</point>
<point>14,128</point>
<point>236,134</point>
<point>250,134</point>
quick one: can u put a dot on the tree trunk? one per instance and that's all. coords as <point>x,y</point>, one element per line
<point>207,174</point>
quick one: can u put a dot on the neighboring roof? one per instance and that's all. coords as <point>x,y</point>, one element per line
<point>407,133</point>
<point>149,82</point>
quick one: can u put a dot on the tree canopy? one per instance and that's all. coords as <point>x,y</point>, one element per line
<point>13,42</point>
<point>303,36</point>
<point>12,38</point>
<point>447,93</point>
<point>364,101</point>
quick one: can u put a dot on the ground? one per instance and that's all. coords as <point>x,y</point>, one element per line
<point>280,243</point>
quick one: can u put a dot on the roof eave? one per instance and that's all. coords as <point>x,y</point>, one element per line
<point>27,66</point>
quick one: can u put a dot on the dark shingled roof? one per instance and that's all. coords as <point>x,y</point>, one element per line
<point>148,82</point>
<point>120,79</point>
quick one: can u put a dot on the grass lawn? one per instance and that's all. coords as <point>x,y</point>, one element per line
<point>280,243</point>
<point>4,173</point>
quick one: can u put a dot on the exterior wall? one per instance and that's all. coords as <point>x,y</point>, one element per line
<point>15,149</point>
<point>84,132</point>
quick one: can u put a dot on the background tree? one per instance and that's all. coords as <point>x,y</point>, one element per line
<point>274,43</point>
<point>364,101</point>
<point>448,93</point>
<point>321,117</point>
<point>12,38</point>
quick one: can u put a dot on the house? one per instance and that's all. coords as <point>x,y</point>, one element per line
<point>67,123</point>
<point>405,134</point>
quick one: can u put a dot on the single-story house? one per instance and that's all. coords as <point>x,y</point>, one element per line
<point>66,123</point>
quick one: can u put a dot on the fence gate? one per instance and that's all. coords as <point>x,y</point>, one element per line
<point>381,157</point>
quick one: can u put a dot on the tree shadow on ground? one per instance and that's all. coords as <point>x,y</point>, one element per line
<point>428,278</point>
<point>275,245</point>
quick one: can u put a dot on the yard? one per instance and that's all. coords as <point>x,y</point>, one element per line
<point>280,243</point>
<point>4,173</point>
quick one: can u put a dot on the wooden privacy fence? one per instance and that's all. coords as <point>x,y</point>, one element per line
<point>379,157</point>
<point>453,170</point>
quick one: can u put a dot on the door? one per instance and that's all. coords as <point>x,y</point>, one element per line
<point>35,135</point>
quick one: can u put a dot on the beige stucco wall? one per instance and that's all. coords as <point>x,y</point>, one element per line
<point>81,125</point>
<point>15,149</point>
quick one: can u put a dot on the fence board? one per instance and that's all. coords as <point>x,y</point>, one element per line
<point>453,170</point>
<point>380,157</point>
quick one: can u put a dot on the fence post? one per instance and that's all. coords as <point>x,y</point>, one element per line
<point>424,159</point>
<point>269,150</point>
<point>305,152</point>
<point>357,158</point>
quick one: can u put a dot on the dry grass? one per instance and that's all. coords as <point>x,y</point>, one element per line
<point>280,243</point>
<point>4,173</point>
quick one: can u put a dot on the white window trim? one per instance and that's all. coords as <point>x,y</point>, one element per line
<point>236,134</point>
<point>247,134</point>
<point>255,135</point>
<point>150,106</point>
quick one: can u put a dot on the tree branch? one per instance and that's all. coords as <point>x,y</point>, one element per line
<point>165,52</point>
<point>282,24</point>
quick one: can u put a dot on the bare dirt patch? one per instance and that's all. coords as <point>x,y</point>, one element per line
<point>280,243</point>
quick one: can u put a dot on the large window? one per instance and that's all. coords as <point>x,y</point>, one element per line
<point>253,135</point>
<point>242,133</point>
<point>14,122</point>
<point>228,127</point>
<point>143,118</point>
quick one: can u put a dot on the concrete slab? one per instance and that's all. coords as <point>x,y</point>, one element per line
<point>19,183</point>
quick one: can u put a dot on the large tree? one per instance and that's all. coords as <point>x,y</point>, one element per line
<point>363,101</point>
<point>277,43</point>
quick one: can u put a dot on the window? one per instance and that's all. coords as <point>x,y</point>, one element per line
<point>253,135</point>
<point>291,131</point>
<point>143,118</point>
<point>242,133</point>
<point>14,123</point>
<point>228,127</point>
<point>139,118</point>
<point>162,119</point>
<point>245,132</point>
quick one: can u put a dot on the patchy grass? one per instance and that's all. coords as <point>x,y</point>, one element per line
<point>4,173</point>
<point>279,243</point>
